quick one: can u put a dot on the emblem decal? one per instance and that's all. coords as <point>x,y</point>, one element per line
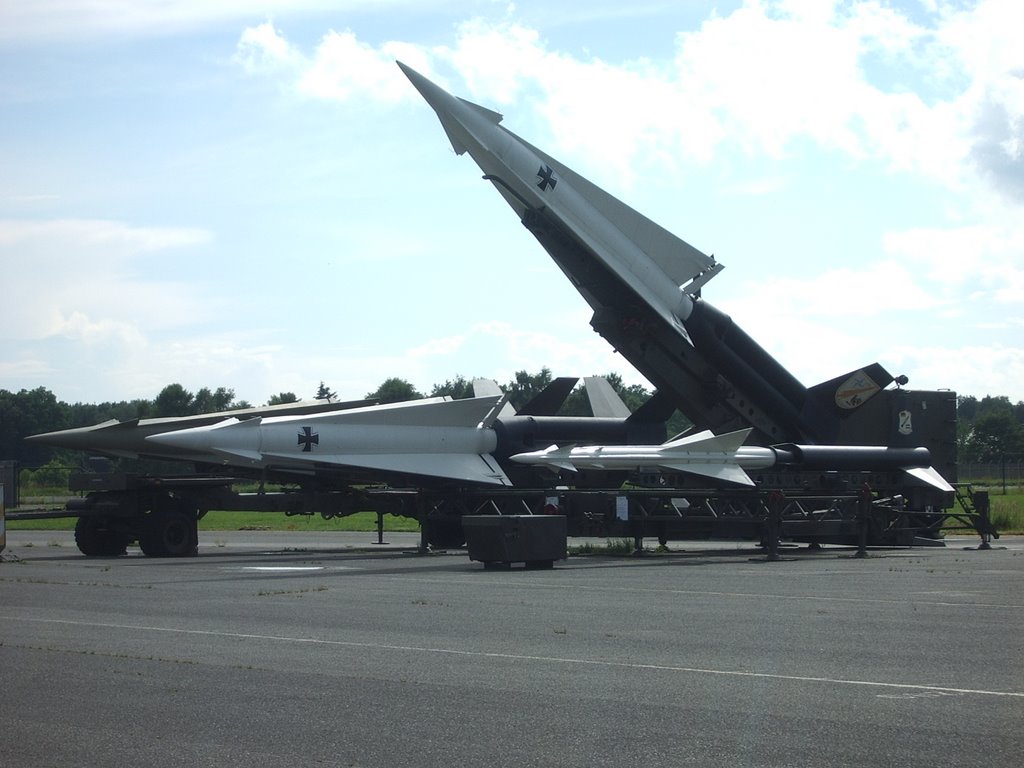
<point>547,178</point>
<point>855,391</point>
<point>307,439</point>
<point>906,424</point>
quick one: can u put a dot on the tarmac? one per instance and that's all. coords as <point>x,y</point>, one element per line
<point>283,649</point>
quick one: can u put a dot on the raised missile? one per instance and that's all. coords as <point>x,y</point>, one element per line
<point>647,258</point>
<point>437,438</point>
<point>127,439</point>
<point>643,283</point>
<point>725,458</point>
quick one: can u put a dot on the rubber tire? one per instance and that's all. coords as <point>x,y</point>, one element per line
<point>169,533</point>
<point>96,537</point>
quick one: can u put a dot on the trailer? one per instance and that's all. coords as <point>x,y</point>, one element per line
<point>161,513</point>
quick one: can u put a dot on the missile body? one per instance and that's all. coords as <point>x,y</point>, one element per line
<point>724,457</point>
<point>127,439</point>
<point>531,181</point>
<point>438,438</point>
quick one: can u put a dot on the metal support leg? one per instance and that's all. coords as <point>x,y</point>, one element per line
<point>773,525</point>
<point>863,521</point>
<point>421,516</point>
<point>981,503</point>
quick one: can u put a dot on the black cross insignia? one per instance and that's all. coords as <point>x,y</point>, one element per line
<point>307,439</point>
<point>547,178</point>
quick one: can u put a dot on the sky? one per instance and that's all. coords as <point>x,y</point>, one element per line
<point>251,195</point>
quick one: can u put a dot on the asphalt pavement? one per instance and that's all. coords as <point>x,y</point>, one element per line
<point>284,649</point>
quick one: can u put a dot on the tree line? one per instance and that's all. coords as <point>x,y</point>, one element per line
<point>990,429</point>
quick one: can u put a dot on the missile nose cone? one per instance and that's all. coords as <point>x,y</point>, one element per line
<point>431,92</point>
<point>465,123</point>
<point>184,439</point>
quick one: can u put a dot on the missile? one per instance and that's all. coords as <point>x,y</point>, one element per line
<point>644,283</point>
<point>127,439</point>
<point>531,181</point>
<point>436,437</point>
<point>725,458</point>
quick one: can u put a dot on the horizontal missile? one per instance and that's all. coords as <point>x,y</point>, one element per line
<point>127,439</point>
<point>438,437</point>
<point>725,458</point>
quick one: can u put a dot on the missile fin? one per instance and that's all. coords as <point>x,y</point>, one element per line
<point>676,257</point>
<point>732,473</point>
<point>240,453</point>
<point>930,476</point>
<point>488,114</point>
<point>604,400</point>
<point>730,442</point>
<point>468,412</point>
<point>471,467</point>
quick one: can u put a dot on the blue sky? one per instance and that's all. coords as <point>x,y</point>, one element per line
<point>251,195</point>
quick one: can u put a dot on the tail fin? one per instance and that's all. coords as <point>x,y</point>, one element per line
<point>604,400</point>
<point>551,398</point>
<point>845,394</point>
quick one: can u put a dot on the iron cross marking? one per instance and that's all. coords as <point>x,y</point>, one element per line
<point>547,178</point>
<point>307,439</point>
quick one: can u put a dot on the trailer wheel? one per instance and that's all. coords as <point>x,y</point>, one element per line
<point>169,532</point>
<point>97,537</point>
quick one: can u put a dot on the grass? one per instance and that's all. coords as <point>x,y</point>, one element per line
<point>609,547</point>
<point>1007,512</point>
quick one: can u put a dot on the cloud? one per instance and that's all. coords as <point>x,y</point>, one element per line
<point>942,97</point>
<point>44,20</point>
<point>984,260</point>
<point>103,290</point>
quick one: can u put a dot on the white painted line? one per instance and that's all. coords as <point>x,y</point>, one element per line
<point>277,568</point>
<point>907,687</point>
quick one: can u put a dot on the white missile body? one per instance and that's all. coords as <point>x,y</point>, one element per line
<point>442,438</point>
<point>725,458</point>
<point>722,457</point>
<point>648,258</point>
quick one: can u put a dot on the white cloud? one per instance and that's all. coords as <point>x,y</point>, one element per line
<point>102,290</point>
<point>82,19</point>
<point>977,369</point>
<point>760,79</point>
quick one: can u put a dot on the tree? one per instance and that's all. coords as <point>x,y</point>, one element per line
<point>456,389</point>
<point>526,387</point>
<point>284,397</point>
<point>992,436</point>
<point>395,390</point>
<point>28,412</point>
<point>173,400</point>
<point>323,392</point>
<point>966,408</point>
<point>206,401</point>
